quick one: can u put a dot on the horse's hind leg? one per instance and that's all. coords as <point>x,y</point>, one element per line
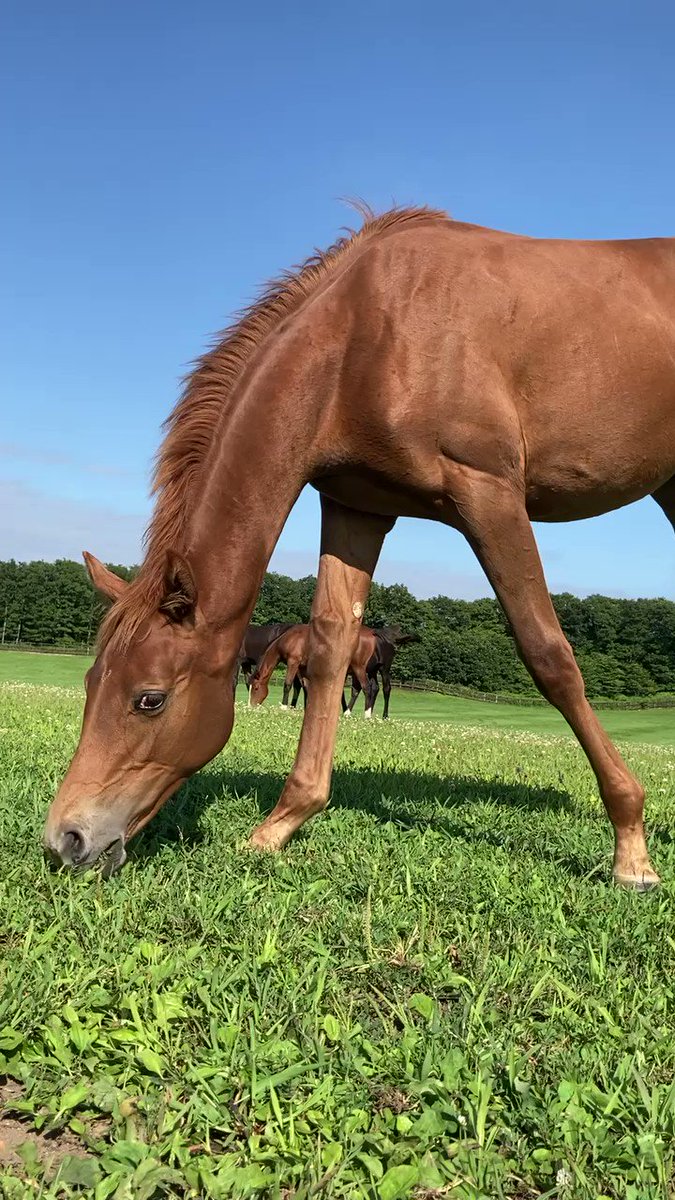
<point>665,498</point>
<point>386,691</point>
<point>350,546</point>
<point>495,520</point>
<point>372,689</point>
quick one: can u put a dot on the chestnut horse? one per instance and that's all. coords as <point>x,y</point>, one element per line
<point>420,367</point>
<point>289,648</point>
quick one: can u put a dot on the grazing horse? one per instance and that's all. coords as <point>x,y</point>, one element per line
<point>386,643</point>
<point>292,647</point>
<point>256,640</point>
<point>420,367</point>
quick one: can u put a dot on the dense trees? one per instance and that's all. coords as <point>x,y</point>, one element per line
<point>50,603</point>
<point>624,647</point>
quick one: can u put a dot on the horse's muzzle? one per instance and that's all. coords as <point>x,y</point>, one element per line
<point>73,847</point>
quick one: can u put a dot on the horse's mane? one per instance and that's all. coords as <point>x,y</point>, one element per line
<point>191,427</point>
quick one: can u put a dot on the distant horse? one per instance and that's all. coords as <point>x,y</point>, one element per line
<point>256,640</point>
<point>422,367</point>
<point>387,641</point>
<point>291,648</point>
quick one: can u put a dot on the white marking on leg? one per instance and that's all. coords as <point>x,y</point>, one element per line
<point>283,706</point>
<point>368,714</point>
<point>347,712</point>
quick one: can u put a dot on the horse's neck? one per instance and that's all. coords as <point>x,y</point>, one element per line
<point>271,660</point>
<point>246,497</point>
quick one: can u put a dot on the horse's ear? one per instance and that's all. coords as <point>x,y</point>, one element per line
<point>180,591</point>
<point>104,581</point>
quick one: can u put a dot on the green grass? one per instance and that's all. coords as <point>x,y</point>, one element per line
<point>655,725</point>
<point>433,991</point>
<point>59,670</point>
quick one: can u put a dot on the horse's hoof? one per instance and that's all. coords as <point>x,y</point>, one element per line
<point>347,713</point>
<point>637,883</point>
<point>260,845</point>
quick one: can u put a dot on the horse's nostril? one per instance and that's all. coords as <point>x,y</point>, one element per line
<point>73,845</point>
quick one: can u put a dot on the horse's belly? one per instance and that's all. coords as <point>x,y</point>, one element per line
<point>368,493</point>
<point>584,473</point>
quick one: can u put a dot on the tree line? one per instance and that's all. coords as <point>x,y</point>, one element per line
<point>625,648</point>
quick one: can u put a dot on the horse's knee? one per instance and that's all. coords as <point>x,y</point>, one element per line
<point>555,668</point>
<point>330,646</point>
<point>327,631</point>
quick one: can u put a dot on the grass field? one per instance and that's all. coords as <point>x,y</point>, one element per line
<point>645,725</point>
<point>433,991</point>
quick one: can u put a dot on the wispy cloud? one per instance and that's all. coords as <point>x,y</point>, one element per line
<point>34,524</point>
<point>15,451</point>
<point>37,524</point>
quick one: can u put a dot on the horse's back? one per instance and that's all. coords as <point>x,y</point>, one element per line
<point>544,361</point>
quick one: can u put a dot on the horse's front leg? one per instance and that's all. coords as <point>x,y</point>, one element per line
<point>289,680</point>
<point>356,692</point>
<point>350,545</point>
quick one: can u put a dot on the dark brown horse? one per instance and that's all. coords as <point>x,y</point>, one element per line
<point>421,367</point>
<point>386,643</point>
<point>256,640</point>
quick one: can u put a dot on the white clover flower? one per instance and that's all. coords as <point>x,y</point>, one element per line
<point>564,1178</point>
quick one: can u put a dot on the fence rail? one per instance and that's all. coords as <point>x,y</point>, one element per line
<point>464,693</point>
<point>28,648</point>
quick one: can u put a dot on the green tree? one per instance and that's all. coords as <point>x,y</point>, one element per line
<point>624,647</point>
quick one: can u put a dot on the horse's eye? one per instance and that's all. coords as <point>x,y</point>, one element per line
<point>150,702</point>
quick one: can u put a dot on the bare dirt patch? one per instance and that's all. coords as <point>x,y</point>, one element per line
<point>50,1148</point>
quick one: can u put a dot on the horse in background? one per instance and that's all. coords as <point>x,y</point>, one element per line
<point>255,642</point>
<point>289,648</point>
<point>373,652</point>
<point>387,641</point>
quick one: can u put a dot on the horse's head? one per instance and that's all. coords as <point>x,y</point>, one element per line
<point>259,689</point>
<point>156,710</point>
<point>396,635</point>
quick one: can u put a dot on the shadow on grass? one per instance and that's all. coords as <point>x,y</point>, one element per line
<point>409,799</point>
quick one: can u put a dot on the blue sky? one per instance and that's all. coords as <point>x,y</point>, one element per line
<point>162,159</point>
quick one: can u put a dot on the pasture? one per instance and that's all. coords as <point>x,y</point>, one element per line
<point>433,991</point>
<point>643,725</point>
